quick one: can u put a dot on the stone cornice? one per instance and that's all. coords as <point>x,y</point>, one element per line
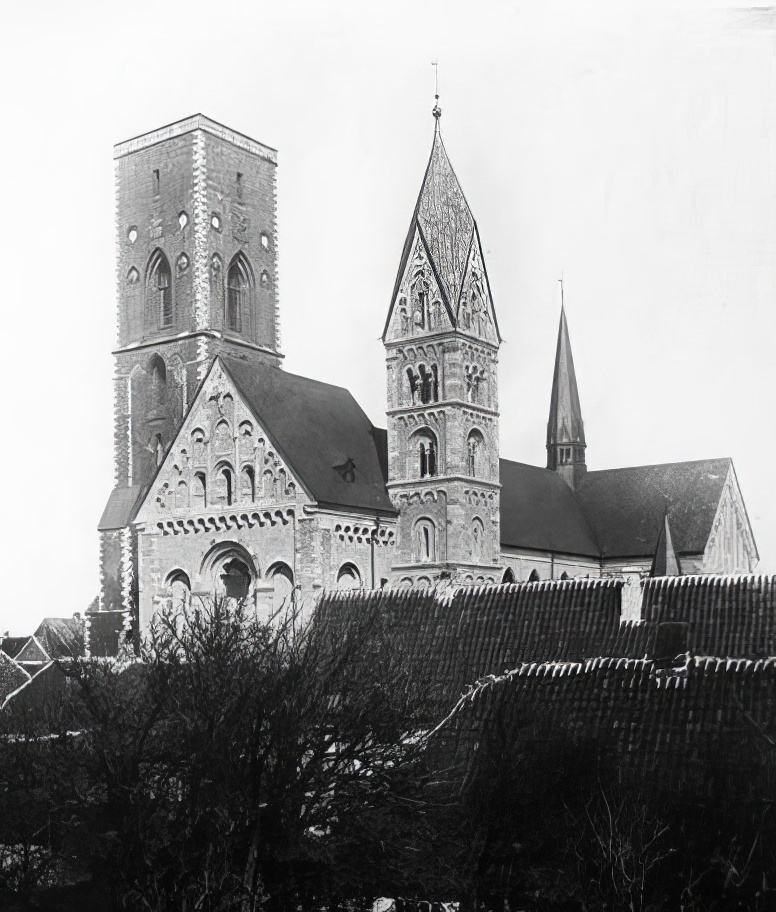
<point>189,125</point>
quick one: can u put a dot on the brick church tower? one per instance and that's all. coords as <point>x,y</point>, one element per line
<point>197,276</point>
<point>442,341</point>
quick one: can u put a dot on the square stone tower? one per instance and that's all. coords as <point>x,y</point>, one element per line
<point>196,273</point>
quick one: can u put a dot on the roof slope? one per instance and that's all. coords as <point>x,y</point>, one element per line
<point>657,720</point>
<point>450,639</point>
<point>120,509</point>
<point>539,511</point>
<point>12,646</point>
<point>319,428</point>
<point>565,423</point>
<point>726,616</point>
<point>625,507</point>
<point>12,676</point>
<point>61,637</point>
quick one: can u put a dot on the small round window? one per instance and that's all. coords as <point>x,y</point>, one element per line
<point>265,278</point>
<point>132,235</point>
<point>183,220</point>
<point>264,241</point>
<point>215,221</point>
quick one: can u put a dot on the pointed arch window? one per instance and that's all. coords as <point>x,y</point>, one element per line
<point>239,293</point>
<point>159,290</point>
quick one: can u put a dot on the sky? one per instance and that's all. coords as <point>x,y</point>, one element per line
<point>629,147</point>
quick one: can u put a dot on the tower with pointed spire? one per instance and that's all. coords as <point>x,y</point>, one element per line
<point>442,341</point>
<point>565,428</point>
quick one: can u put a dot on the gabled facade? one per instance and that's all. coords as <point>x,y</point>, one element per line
<point>258,498</point>
<point>234,476</point>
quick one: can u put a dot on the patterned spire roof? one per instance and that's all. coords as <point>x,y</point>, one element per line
<point>565,425</point>
<point>445,221</point>
<point>665,562</point>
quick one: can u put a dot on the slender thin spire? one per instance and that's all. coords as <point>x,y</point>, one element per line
<point>565,426</point>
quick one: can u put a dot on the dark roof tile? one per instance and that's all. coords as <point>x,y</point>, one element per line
<point>318,427</point>
<point>625,507</point>
<point>120,508</point>
<point>539,511</point>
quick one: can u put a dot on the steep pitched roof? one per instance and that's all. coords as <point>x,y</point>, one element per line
<point>565,423</point>
<point>624,507</point>
<point>665,562</point>
<point>318,428</point>
<point>539,511</point>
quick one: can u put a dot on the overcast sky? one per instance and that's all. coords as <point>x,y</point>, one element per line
<point>631,147</point>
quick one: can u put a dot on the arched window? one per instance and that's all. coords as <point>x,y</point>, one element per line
<point>282,580</point>
<point>509,576</point>
<point>224,485</point>
<point>180,587</point>
<point>429,383</point>
<point>424,542</point>
<point>248,483</point>
<point>478,539</point>
<point>533,576</point>
<point>182,496</point>
<point>414,382</point>
<point>425,445</point>
<point>239,293</point>
<point>159,290</point>
<point>475,452</point>
<point>199,491</point>
<point>348,577</point>
<point>404,319</point>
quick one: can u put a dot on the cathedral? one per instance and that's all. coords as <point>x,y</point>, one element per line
<point>234,476</point>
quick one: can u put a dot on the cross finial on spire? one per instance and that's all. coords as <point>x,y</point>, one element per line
<point>436,111</point>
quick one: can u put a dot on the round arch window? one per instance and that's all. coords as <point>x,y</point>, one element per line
<point>348,577</point>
